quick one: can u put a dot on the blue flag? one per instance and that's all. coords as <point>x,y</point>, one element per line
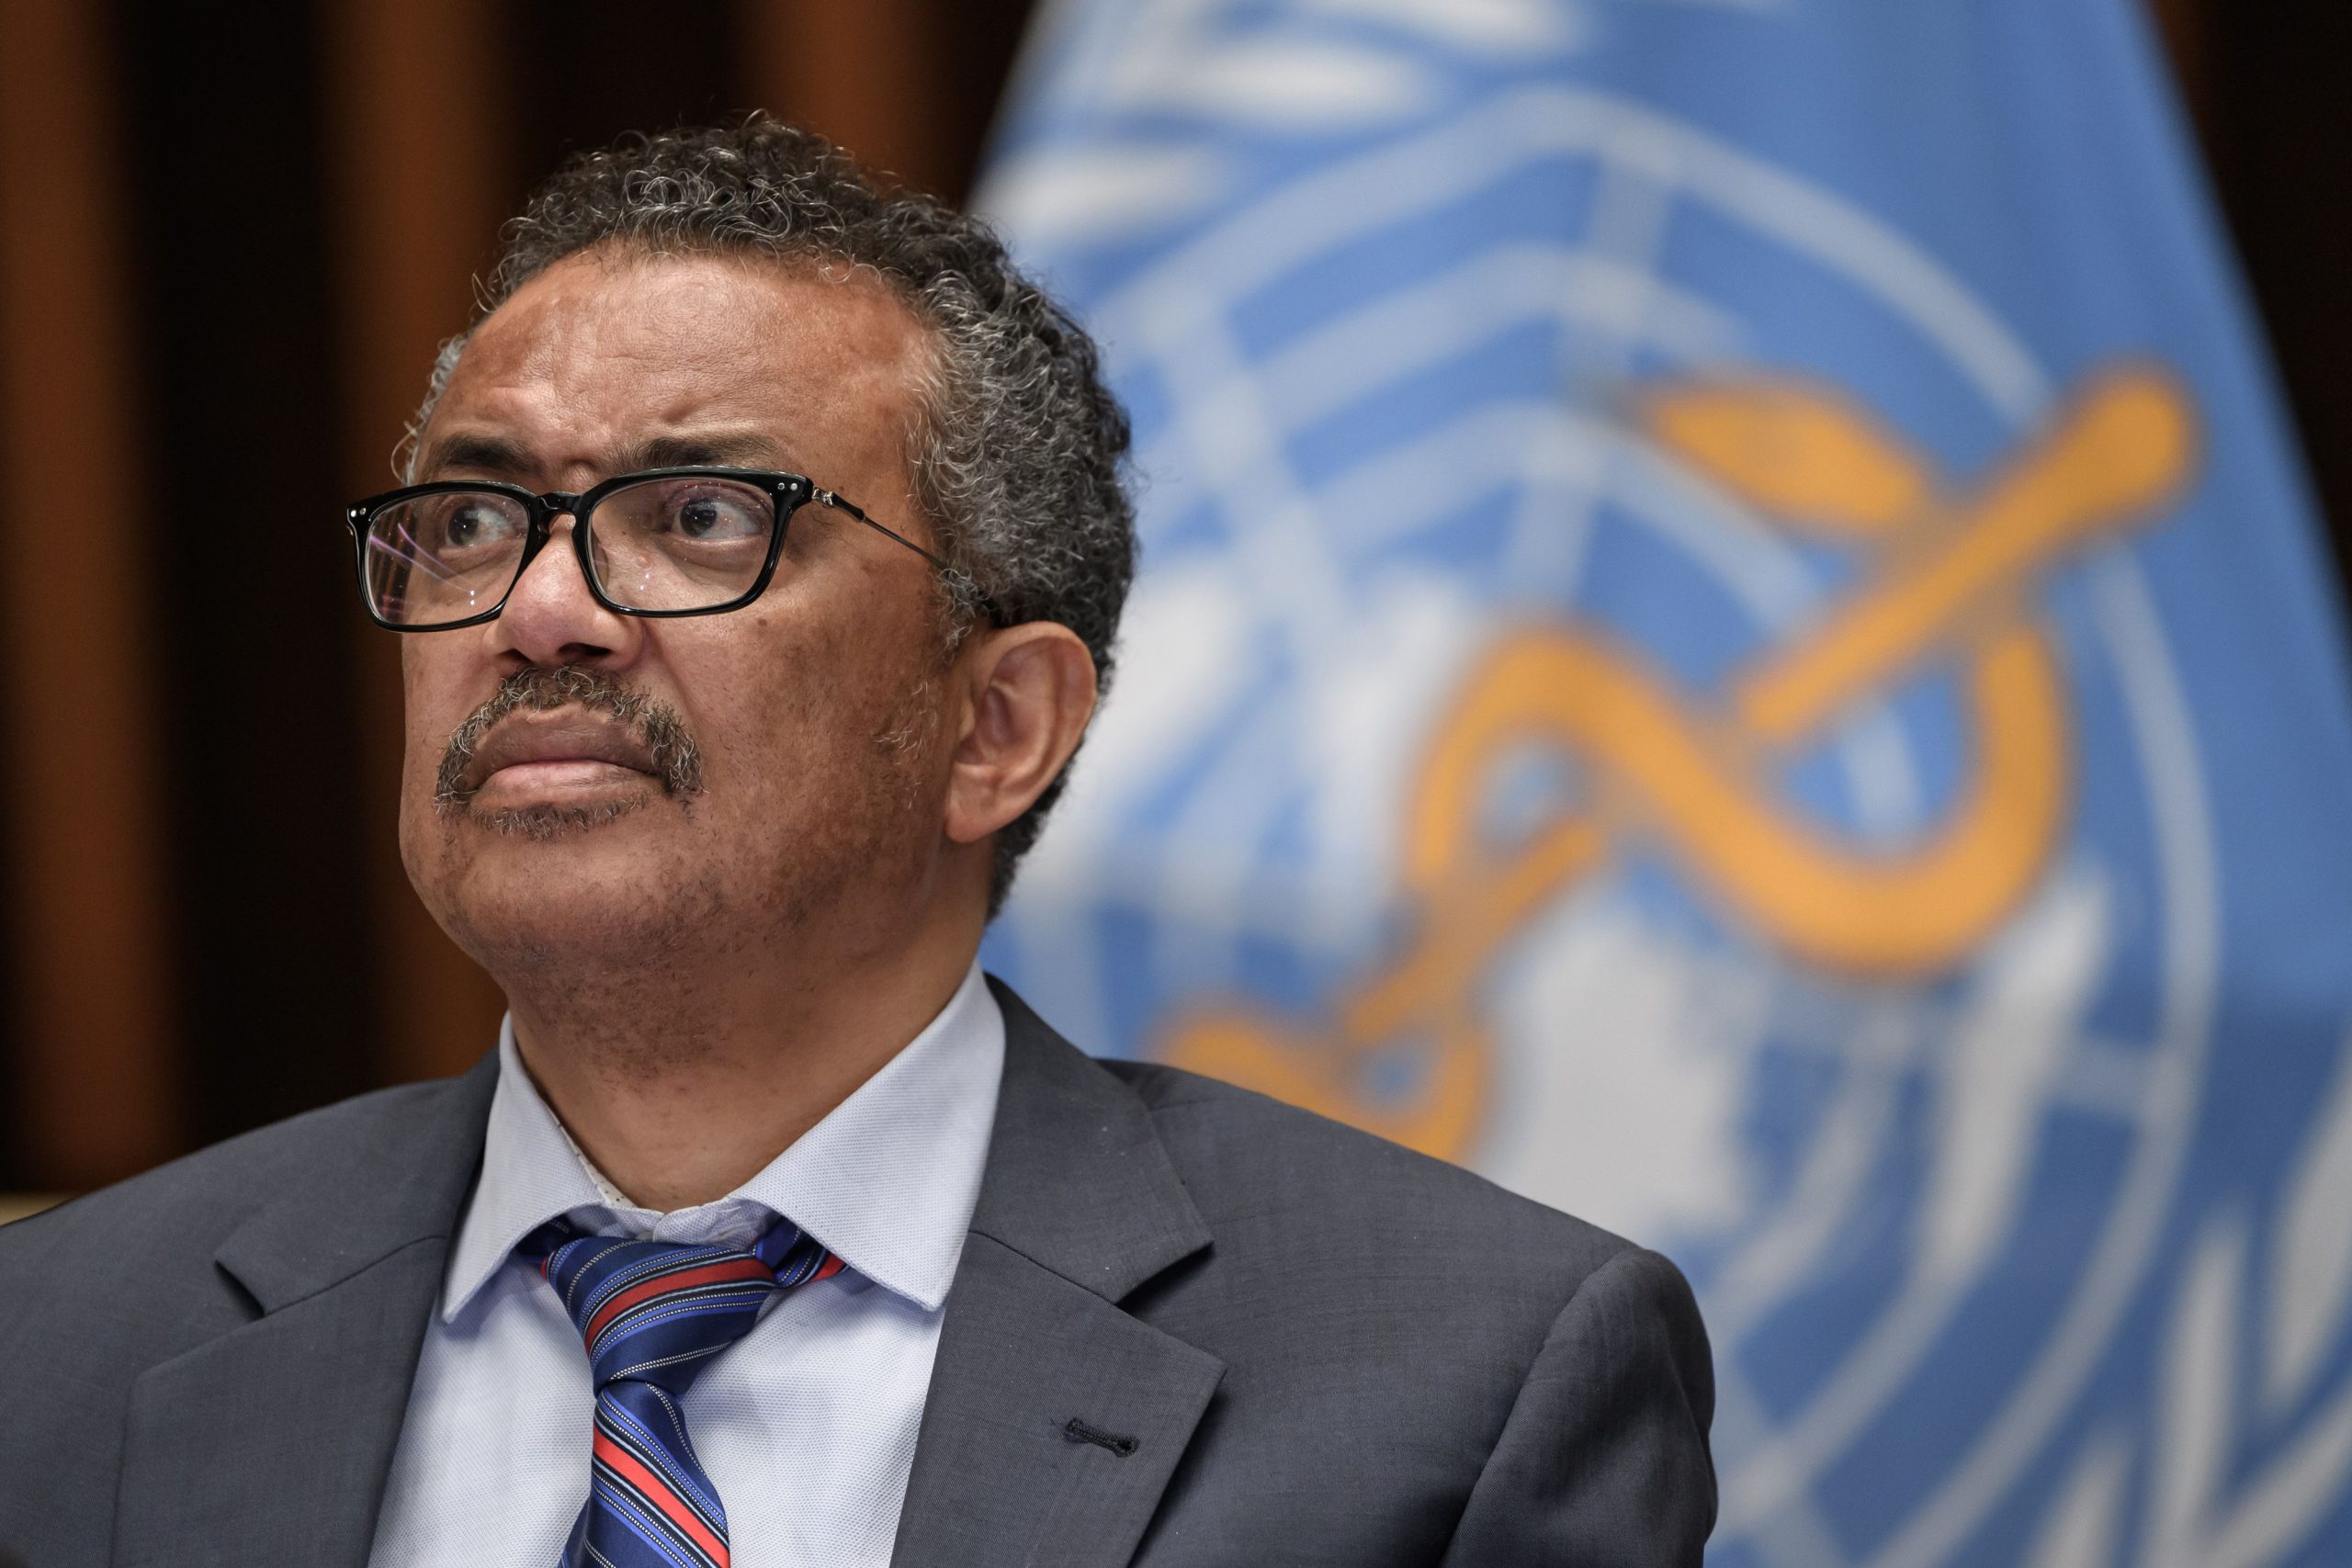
<point>1731,637</point>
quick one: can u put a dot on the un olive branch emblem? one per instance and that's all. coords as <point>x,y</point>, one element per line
<point>1947,577</point>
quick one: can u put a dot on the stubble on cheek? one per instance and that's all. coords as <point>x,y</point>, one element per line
<point>905,744</point>
<point>857,806</point>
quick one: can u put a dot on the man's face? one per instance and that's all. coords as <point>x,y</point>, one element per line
<point>618,782</point>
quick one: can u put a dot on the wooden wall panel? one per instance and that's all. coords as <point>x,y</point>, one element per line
<point>99,1091</point>
<point>911,88</point>
<point>236,344</point>
<point>416,180</point>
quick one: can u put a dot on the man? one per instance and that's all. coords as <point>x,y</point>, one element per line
<point>757,580</point>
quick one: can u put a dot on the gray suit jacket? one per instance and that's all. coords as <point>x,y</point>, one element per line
<point>1191,1327</point>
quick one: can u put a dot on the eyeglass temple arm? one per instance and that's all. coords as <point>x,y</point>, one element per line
<point>829,498</point>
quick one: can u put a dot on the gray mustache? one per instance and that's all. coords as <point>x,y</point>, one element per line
<point>677,759</point>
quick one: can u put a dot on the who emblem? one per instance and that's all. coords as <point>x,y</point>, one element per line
<point>1722,776</point>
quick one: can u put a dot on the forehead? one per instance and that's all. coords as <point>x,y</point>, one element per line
<point>604,351</point>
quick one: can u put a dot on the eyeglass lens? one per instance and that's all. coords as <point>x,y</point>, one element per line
<point>688,543</point>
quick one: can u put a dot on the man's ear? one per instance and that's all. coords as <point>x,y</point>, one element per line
<point>1032,690</point>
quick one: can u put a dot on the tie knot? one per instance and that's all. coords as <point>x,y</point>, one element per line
<point>657,1311</point>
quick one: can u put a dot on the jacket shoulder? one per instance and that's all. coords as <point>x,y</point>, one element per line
<point>98,1292</point>
<point>184,1207</point>
<point>1254,1165</point>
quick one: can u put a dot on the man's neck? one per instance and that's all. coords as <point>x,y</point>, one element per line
<point>679,1093</point>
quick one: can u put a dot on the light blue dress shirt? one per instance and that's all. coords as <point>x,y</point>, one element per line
<point>808,1425</point>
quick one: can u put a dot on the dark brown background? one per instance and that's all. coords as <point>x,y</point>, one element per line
<point>229,242</point>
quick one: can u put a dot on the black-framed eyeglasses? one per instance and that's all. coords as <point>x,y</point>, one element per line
<point>661,543</point>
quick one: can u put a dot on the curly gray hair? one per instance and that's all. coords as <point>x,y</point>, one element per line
<point>1016,452</point>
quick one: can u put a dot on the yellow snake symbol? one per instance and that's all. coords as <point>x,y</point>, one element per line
<point>1946,577</point>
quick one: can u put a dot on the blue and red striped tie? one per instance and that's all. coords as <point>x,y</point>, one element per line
<point>652,1313</point>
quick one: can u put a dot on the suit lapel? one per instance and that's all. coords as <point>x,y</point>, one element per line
<point>1055,1420</point>
<point>270,1444</point>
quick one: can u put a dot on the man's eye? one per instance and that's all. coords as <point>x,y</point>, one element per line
<point>469,525</point>
<point>718,518</point>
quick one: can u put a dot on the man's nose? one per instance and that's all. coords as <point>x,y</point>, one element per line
<point>552,618</point>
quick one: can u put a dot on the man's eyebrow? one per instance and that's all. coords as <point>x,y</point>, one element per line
<point>715,449</point>
<point>492,455</point>
<point>498,458</point>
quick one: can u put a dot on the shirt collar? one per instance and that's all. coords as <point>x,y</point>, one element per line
<point>886,1181</point>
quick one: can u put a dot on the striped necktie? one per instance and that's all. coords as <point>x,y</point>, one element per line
<point>652,1313</point>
